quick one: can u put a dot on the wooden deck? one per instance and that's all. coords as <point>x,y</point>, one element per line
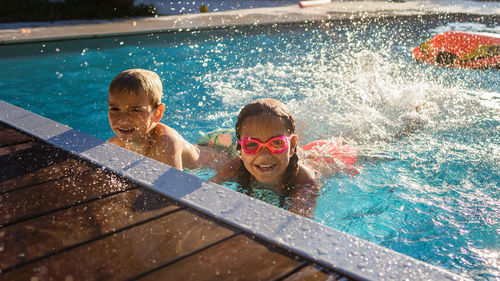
<point>62,218</point>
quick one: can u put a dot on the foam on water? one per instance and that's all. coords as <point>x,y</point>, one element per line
<point>467,27</point>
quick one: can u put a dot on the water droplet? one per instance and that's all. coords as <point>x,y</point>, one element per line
<point>304,228</point>
<point>322,251</point>
<point>362,265</point>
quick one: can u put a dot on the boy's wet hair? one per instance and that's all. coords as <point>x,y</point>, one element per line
<point>136,81</point>
<point>270,107</point>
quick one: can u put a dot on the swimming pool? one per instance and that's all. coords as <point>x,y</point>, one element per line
<point>433,195</point>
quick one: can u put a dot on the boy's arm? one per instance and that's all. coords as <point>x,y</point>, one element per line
<point>169,151</point>
<point>228,172</point>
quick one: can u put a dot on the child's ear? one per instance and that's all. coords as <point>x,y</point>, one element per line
<point>293,144</point>
<point>159,110</point>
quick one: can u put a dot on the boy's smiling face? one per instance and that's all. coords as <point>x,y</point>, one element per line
<point>265,166</point>
<point>132,116</point>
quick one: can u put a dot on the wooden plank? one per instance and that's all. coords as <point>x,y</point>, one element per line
<point>23,162</point>
<point>311,273</point>
<point>38,237</point>
<point>56,171</point>
<point>127,253</point>
<point>10,136</point>
<point>238,258</point>
<point>40,199</point>
<point>6,150</point>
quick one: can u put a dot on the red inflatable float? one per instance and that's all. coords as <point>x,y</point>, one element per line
<point>335,154</point>
<point>461,49</point>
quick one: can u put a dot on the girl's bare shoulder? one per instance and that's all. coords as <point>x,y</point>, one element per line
<point>306,176</point>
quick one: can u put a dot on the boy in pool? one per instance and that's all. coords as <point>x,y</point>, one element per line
<point>135,111</point>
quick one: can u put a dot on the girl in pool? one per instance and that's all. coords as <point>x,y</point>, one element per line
<point>268,157</point>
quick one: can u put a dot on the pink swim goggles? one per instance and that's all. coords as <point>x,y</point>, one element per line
<point>275,144</point>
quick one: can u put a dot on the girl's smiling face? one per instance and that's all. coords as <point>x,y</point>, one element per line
<point>267,167</point>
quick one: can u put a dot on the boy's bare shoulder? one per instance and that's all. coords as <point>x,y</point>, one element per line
<point>168,135</point>
<point>171,148</point>
<point>164,129</point>
<point>167,146</point>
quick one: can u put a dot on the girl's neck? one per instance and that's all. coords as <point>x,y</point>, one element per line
<point>278,188</point>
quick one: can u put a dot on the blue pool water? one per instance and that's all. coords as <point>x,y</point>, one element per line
<point>433,194</point>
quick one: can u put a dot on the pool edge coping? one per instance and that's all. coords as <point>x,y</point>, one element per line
<point>337,10</point>
<point>328,247</point>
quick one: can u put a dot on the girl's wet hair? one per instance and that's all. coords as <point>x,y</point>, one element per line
<point>270,107</point>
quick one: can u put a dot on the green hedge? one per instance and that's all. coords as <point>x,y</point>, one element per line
<point>43,10</point>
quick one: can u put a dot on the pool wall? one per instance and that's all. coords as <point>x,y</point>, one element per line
<point>330,248</point>
<point>336,10</point>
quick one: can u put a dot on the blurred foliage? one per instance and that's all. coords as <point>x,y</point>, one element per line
<point>45,10</point>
